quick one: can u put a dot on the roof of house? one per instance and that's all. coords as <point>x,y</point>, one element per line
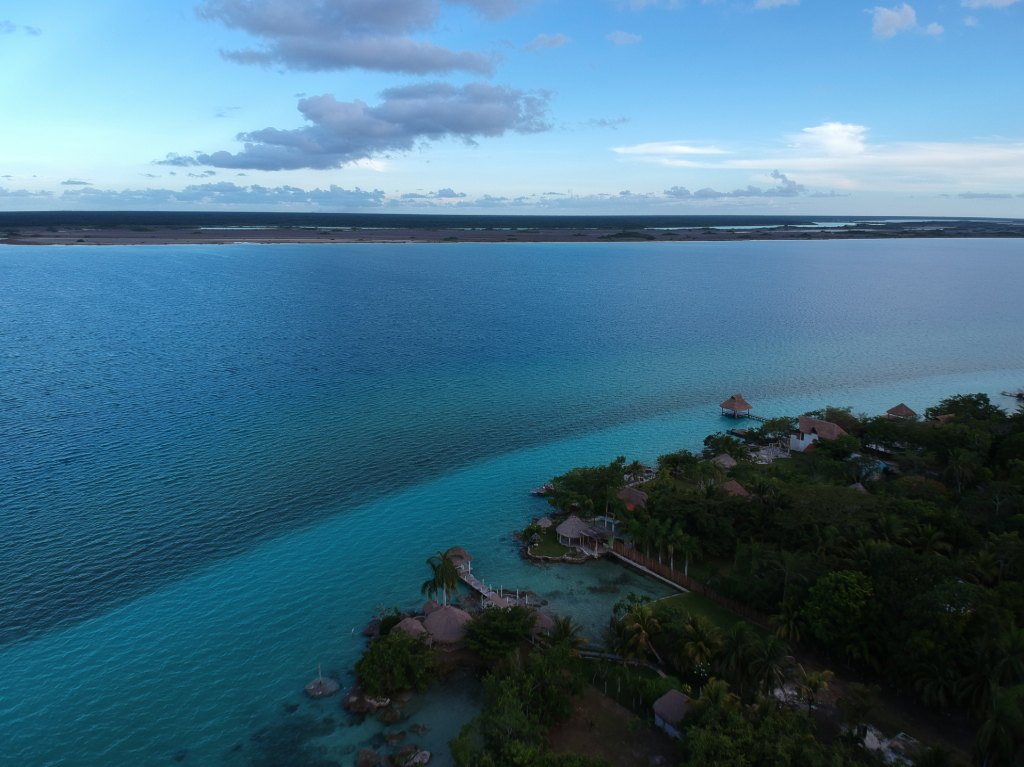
<point>543,623</point>
<point>632,497</point>
<point>573,527</point>
<point>410,626</point>
<point>824,429</point>
<point>672,707</point>
<point>732,487</point>
<point>724,461</point>
<point>736,402</point>
<point>543,523</point>
<point>459,555</point>
<point>447,624</point>
<point>901,411</point>
<point>858,487</point>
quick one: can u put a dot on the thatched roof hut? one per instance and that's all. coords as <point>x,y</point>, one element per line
<point>544,523</point>
<point>410,626</point>
<point>823,429</point>
<point>735,489</point>
<point>544,623</point>
<point>459,555</point>
<point>633,498</point>
<point>669,711</point>
<point>447,625</point>
<point>736,406</point>
<point>724,461</point>
<point>901,412</point>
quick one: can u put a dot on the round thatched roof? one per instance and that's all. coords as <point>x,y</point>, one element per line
<point>458,555</point>
<point>573,527</point>
<point>736,403</point>
<point>543,624</point>
<point>447,624</point>
<point>429,606</point>
<point>544,523</point>
<point>410,626</point>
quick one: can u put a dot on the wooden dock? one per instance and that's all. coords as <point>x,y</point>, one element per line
<point>488,594</point>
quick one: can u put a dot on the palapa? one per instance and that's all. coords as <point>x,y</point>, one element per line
<point>672,707</point>
<point>447,625</point>
<point>410,626</point>
<point>900,411</point>
<point>724,461</point>
<point>734,488</point>
<point>736,405</point>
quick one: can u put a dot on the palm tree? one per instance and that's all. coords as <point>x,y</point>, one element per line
<point>999,740</point>
<point>444,577</point>
<point>788,622</point>
<point>812,684</point>
<point>641,626</point>
<point>737,656</point>
<point>770,664</point>
<point>568,633</point>
<point>790,564</point>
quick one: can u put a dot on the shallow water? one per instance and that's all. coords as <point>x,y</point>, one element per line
<point>221,461</point>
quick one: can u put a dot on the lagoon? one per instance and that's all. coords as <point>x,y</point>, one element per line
<point>221,459</point>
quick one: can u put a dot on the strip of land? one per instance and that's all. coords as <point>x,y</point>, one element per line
<point>157,234</point>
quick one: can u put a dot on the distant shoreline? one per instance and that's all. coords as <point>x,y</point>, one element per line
<point>140,234</point>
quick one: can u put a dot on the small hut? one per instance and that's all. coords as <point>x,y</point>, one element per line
<point>544,523</point>
<point>461,558</point>
<point>633,498</point>
<point>901,413</point>
<point>447,625</point>
<point>411,626</point>
<point>669,711</point>
<point>724,461</point>
<point>735,489</point>
<point>543,624</point>
<point>810,430</point>
<point>736,406</point>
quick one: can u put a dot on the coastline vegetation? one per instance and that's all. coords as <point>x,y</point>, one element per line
<point>883,572</point>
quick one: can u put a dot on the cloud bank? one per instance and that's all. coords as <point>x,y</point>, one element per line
<point>342,132</point>
<point>321,35</point>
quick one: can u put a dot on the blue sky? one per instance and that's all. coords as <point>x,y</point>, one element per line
<point>529,106</point>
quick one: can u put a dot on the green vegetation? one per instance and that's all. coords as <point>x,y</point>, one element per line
<point>494,634</point>
<point>444,577</point>
<point>526,692</point>
<point>395,663</point>
<point>913,577</point>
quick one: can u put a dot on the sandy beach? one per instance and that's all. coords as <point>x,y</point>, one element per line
<point>207,235</point>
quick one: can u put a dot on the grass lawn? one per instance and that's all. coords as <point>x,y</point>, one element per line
<point>549,545</point>
<point>601,728</point>
<point>698,605</point>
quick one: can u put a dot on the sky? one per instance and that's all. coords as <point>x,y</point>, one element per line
<point>789,107</point>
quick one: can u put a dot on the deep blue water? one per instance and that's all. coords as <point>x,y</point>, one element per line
<point>217,460</point>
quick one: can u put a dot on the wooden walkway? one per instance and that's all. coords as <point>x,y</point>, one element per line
<point>488,594</point>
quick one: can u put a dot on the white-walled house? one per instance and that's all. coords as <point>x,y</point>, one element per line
<point>810,430</point>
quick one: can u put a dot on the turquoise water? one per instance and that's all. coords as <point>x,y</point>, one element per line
<point>221,461</point>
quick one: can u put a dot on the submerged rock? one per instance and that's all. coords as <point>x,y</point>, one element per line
<point>367,757</point>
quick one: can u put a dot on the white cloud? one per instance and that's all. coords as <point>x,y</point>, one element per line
<point>934,29</point>
<point>624,38</point>
<point>774,3</point>
<point>840,155</point>
<point>988,3</point>
<point>833,138</point>
<point>666,149</point>
<point>970,21</point>
<point>887,22</point>
<point>547,41</point>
